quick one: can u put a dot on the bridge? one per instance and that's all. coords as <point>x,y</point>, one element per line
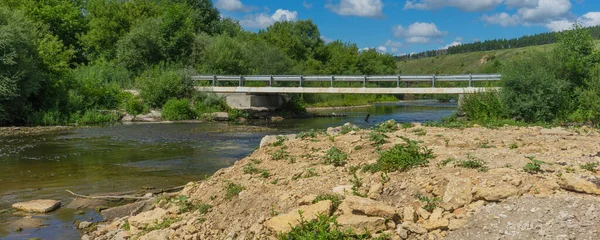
<point>241,91</point>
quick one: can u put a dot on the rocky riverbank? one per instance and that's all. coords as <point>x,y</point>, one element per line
<point>507,183</point>
<point>14,131</point>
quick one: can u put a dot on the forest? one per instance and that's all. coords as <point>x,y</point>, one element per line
<point>68,61</point>
<point>499,44</point>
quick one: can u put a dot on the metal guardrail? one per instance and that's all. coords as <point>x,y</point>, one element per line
<point>241,79</point>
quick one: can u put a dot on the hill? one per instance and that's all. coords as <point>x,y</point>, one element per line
<point>472,62</point>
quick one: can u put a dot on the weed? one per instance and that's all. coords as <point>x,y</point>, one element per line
<point>292,159</point>
<point>310,172</point>
<point>570,170</point>
<point>473,163</point>
<point>308,134</point>
<point>324,227</point>
<point>401,157</point>
<point>449,160</point>
<point>406,125</point>
<point>486,145</point>
<point>255,161</point>
<point>251,169</point>
<point>166,223</point>
<point>313,149</point>
<point>232,190</point>
<point>513,146</point>
<point>275,181</point>
<point>279,142</point>
<point>534,166</point>
<point>265,173</point>
<point>430,203</point>
<point>384,177</point>
<point>387,126</point>
<point>280,154</point>
<point>332,138</point>
<point>336,157</point>
<point>335,199</point>
<point>589,166</point>
<point>420,132</point>
<point>126,226</point>
<point>447,142</point>
<point>273,212</point>
<point>439,135</point>
<point>353,169</point>
<point>357,148</point>
<point>377,139</point>
<point>356,185</point>
<point>348,128</point>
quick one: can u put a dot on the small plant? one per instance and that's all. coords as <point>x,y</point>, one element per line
<point>275,181</point>
<point>308,134</point>
<point>335,157</point>
<point>430,203</point>
<point>332,138</point>
<point>384,177</point>
<point>357,148</point>
<point>513,146</point>
<point>310,172</point>
<point>232,190</point>
<point>273,212</point>
<point>255,161</point>
<point>420,132</point>
<point>335,199</point>
<point>280,154</point>
<point>177,110</point>
<point>570,170</point>
<point>534,166</point>
<point>265,173</point>
<point>250,169</point>
<point>589,166</point>
<point>486,145</point>
<point>402,157</point>
<point>473,163</point>
<point>185,205</point>
<point>387,126</point>
<point>406,125</point>
<point>447,142</point>
<point>126,226</point>
<point>353,169</point>
<point>439,135</point>
<point>324,227</point>
<point>348,128</point>
<point>377,139</point>
<point>356,185</point>
<point>279,142</point>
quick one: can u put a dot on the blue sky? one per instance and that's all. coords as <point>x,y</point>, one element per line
<point>400,27</point>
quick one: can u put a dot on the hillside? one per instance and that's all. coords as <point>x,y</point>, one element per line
<point>473,62</point>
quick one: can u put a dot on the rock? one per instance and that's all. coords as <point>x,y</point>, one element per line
<point>163,234</point>
<point>127,118</point>
<point>84,225</point>
<point>496,193</point>
<point>37,206</point>
<point>307,200</point>
<point>122,235</point>
<point>423,213</point>
<point>85,203</point>
<point>375,190</point>
<point>285,222</point>
<point>408,214</point>
<point>369,207</point>
<point>26,223</point>
<point>361,224</point>
<point>127,210</point>
<point>431,225</point>
<point>457,194</point>
<point>152,116</point>
<point>342,189</point>
<point>332,131</point>
<point>456,223</point>
<point>414,228</point>
<point>220,116</point>
<point>266,140</point>
<point>145,219</point>
<point>402,232</point>
<point>436,214</point>
<point>583,184</point>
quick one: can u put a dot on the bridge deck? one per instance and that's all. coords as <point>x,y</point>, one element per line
<point>335,90</point>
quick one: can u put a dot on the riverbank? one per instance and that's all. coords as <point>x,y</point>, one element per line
<point>475,182</point>
<point>15,131</point>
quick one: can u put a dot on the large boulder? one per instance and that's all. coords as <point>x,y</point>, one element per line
<point>285,222</point>
<point>457,194</point>
<point>37,206</point>
<point>266,140</point>
<point>369,207</point>
<point>127,210</point>
<point>583,184</point>
<point>26,223</point>
<point>362,224</point>
<point>496,193</point>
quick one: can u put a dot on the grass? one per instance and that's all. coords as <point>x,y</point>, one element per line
<point>420,132</point>
<point>473,163</point>
<point>387,126</point>
<point>486,145</point>
<point>308,173</point>
<point>356,185</point>
<point>187,206</point>
<point>589,166</point>
<point>279,142</point>
<point>280,154</point>
<point>402,157</point>
<point>335,157</point>
<point>430,203</point>
<point>513,146</point>
<point>252,169</point>
<point>348,128</point>
<point>232,190</point>
<point>322,228</point>
<point>309,134</point>
<point>377,139</point>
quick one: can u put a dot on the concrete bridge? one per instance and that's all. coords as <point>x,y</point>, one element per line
<point>240,95</point>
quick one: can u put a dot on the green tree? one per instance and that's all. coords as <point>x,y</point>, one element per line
<point>142,46</point>
<point>298,39</point>
<point>371,62</point>
<point>575,55</point>
<point>342,58</point>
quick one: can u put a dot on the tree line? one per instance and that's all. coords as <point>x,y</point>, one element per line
<point>62,61</point>
<point>498,44</point>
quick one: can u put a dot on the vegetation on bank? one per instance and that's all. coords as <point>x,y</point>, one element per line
<point>562,86</point>
<point>67,62</point>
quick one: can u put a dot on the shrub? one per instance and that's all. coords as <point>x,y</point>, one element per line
<point>401,157</point>
<point>131,104</point>
<point>161,83</point>
<point>534,166</point>
<point>483,106</point>
<point>387,126</point>
<point>336,157</point>
<point>532,91</point>
<point>177,110</point>
<point>377,139</point>
<point>208,103</point>
<point>232,190</point>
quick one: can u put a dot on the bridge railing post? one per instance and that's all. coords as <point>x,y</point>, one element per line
<point>214,81</point>
<point>301,79</point>
<point>241,79</point>
<point>271,81</point>
<point>433,81</point>
<point>331,80</point>
<point>364,81</point>
<point>398,82</point>
<point>470,79</point>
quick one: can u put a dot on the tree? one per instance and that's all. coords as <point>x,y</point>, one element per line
<point>371,62</point>
<point>298,39</point>
<point>342,58</point>
<point>575,55</point>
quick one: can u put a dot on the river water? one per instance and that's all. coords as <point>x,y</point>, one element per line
<point>128,157</point>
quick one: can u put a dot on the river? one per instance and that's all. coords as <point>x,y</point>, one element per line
<point>127,157</point>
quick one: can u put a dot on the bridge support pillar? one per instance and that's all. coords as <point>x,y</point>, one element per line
<point>245,101</point>
<point>460,100</point>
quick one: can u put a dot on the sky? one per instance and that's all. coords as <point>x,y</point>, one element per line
<point>402,27</point>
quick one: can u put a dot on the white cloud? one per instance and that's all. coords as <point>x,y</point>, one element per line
<point>306,4</point>
<point>418,32</point>
<point>393,44</point>
<point>553,14</point>
<point>361,8</point>
<point>326,39</point>
<point>455,43</point>
<point>521,3</point>
<point>587,20</point>
<point>545,11</point>
<point>263,20</point>
<point>232,5</point>
<point>503,19</point>
<point>382,49</point>
<point>465,5</point>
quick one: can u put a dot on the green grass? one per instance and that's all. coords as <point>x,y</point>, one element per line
<point>377,139</point>
<point>402,157</point>
<point>232,190</point>
<point>335,157</point>
<point>534,166</point>
<point>430,203</point>
<point>589,166</point>
<point>473,163</point>
<point>322,228</point>
<point>280,154</point>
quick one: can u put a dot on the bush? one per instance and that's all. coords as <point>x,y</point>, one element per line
<point>401,157</point>
<point>532,91</point>
<point>483,106</point>
<point>177,110</point>
<point>162,83</point>
<point>336,157</point>
<point>131,104</point>
<point>208,103</point>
